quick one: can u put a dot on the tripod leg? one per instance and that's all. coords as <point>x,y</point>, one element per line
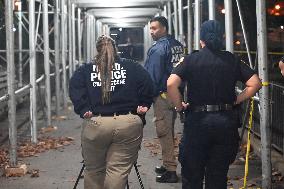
<point>138,175</point>
<point>127,185</point>
<point>78,178</point>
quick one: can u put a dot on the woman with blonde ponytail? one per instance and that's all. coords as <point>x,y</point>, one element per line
<point>111,95</point>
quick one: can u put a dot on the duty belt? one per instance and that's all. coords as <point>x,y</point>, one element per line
<point>211,108</point>
<point>110,114</point>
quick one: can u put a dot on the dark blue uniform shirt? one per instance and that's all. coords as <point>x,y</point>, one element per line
<point>131,86</point>
<point>161,58</point>
<point>212,76</point>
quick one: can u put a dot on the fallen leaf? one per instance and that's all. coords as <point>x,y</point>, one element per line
<point>48,129</point>
<point>229,183</point>
<point>59,118</point>
<point>280,178</point>
<point>34,173</point>
<point>242,159</point>
<point>251,185</point>
<point>276,173</point>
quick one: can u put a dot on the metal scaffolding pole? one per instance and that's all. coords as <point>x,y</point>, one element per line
<point>91,35</point>
<point>95,37</point>
<point>57,55</point>
<point>145,42</point>
<point>244,33</point>
<point>189,26</point>
<point>229,25</point>
<point>180,21</point>
<point>264,94</point>
<point>101,28</point>
<point>11,82</point>
<point>169,17</point>
<point>46,62</point>
<point>85,29</point>
<point>197,18</point>
<point>32,52</point>
<point>176,19</point>
<point>104,29</point>
<point>165,11</point>
<point>107,30</point>
<point>73,39</point>
<point>88,42</point>
<point>63,52</point>
<point>150,39</point>
<point>69,29</point>
<point>98,28</point>
<point>20,40</point>
<point>212,11</point>
<point>79,36</point>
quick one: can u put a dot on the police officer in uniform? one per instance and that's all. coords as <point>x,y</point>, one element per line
<point>111,94</point>
<point>161,58</point>
<point>210,137</point>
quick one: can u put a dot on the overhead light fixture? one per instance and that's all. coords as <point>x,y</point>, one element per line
<point>277,7</point>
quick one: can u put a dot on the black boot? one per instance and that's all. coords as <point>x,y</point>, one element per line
<point>160,170</point>
<point>167,177</point>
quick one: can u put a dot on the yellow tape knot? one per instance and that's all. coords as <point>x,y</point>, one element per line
<point>266,83</point>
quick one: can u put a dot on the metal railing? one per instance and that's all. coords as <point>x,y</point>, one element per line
<point>276,115</point>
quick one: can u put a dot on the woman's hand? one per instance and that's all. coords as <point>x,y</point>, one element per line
<point>183,107</point>
<point>88,114</point>
<point>142,109</point>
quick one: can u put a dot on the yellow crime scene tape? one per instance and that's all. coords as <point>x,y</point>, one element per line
<point>248,147</point>
<point>248,144</point>
<point>266,83</point>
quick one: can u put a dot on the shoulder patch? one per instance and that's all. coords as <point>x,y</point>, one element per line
<point>181,60</point>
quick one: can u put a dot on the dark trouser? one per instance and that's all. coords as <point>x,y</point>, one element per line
<point>209,145</point>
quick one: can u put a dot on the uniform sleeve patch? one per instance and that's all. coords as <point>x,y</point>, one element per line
<point>180,61</point>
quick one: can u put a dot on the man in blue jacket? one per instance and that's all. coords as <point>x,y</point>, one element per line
<point>161,58</point>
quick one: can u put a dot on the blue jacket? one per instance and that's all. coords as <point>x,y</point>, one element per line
<point>161,58</point>
<point>131,86</point>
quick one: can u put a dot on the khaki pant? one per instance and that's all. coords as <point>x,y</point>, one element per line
<point>165,116</point>
<point>110,148</point>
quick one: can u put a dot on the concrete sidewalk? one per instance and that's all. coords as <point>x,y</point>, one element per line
<point>58,169</point>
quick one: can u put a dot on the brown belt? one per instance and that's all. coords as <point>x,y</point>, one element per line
<point>211,108</point>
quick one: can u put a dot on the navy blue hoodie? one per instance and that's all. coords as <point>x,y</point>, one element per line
<point>131,86</point>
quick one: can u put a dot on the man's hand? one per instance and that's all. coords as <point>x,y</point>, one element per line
<point>88,114</point>
<point>142,109</point>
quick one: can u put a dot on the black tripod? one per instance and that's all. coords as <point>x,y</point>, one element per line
<point>127,185</point>
<point>79,176</point>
